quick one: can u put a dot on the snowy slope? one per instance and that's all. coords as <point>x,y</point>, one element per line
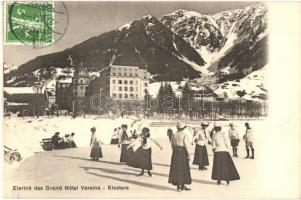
<point>253,85</point>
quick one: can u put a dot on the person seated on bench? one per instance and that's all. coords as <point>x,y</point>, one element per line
<point>71,141</point>
<point>57,141</point>
<point>66,143</point>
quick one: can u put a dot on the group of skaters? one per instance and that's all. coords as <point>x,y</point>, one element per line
<point>63,142</point>
<point>136,151</point>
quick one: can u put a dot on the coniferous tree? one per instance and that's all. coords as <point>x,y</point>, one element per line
<point>187,98</point>
<point>147,101</point>
<point>170,97</point>
<point>160,99</point>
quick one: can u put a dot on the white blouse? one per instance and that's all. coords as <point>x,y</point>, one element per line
<point>201,136</point>
<point>220,142</point>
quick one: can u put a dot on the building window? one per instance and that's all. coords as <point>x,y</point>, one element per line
<point>114,74</point>
<point>131,96</point>
<point>120,88</point>
<point>81,87</point>
<point>114,95</point>
<point>125,82</point>
<point>125,96</point>
<point>120,81</point>
<point>137,96</point>
<point>136,75</point>
<point>81,81</point>
<point>125,74</point>
<point>113,81</point>
<point>131,89</point>
<point>131,82</point>
<point>119,74</point>
<point>125,88</point>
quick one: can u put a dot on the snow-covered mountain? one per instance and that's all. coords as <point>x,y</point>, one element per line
<point>214,49</point>
<point>236,39</point>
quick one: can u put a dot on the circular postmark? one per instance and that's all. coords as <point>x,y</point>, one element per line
<point>38,24</point>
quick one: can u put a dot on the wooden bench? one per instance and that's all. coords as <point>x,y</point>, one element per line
<point>47,144</point>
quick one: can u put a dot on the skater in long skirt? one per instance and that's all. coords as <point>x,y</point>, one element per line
<point>234,138</point>
<point>200,155</point>
<point>95,142</point>
<point>115,137</point>
<point>124,141</point>
<point>169,134</point>
<point>131,148</point>
<point>142,157</point>
<point>223,166</point>
<point>179,173</point>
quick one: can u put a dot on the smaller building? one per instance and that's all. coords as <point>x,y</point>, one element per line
<point>64,94</point>
<point>24,100</point>
<point>80,83</point>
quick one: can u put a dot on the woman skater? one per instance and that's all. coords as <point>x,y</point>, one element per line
<point>142,157</point>
<point>169,134</point>
<point>115,137</point>
<point>124,141</point>
<point>95,142</point>
<point>179,173</point>
<point>223,167</point>
<point>201,155</point>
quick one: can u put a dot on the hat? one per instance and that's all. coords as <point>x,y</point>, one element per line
<point>181,125</point>
<point>145,130</point>
<point>72,134</point>
<point>124,126</point>
<point>204,124</point>
<point>93,129</point>
<point>217,128</point>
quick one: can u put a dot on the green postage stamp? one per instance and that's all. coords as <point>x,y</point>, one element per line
<point>29,23</point>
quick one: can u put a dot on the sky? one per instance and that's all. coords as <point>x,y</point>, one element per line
<point>88,19</point>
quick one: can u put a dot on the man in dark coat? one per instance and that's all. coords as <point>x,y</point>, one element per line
<point>56,141</point>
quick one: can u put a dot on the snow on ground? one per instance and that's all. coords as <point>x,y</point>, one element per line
<point>263,177</point>
<point>253,84</point>
<point>25,134</point>
<point>19,90</point>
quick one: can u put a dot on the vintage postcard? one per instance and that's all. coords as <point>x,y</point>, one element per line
<point>150,99</point>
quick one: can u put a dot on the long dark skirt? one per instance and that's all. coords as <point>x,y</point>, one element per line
<point>115,141</point>
<point>141,158</point>
<point>96,151</point>
<point>132,160</point>
<point>200,156</point>
<point>179,173</point>
<point>124,153</point>
<point>223,167</point>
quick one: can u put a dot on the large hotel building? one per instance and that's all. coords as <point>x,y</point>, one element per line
<point>123,82</point>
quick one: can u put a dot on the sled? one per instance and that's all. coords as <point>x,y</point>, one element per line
<point>11,156</point>
<point>46,144</point>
